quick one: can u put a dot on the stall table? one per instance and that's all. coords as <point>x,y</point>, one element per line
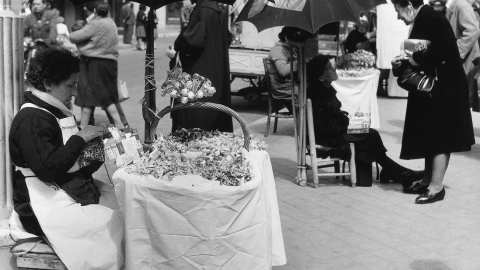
<point>359,94</point>
<point>163,233</point>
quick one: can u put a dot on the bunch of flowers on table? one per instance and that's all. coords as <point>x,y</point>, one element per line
<point>215,156</point>
<point>186,88</point>
<point>358,64</point>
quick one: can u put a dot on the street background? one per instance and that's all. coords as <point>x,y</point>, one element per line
<point>335,226</point>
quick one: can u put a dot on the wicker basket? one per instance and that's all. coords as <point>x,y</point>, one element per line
<point>204,105</point>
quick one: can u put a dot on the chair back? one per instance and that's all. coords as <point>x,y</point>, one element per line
<point>269,69</point>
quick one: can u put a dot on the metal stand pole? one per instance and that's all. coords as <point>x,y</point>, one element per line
<point>11,83</point>
<point>150,87</point>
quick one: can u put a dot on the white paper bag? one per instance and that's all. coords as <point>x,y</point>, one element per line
<point>122,91</point>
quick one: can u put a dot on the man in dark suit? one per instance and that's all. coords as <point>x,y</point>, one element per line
<point>128,19</point>
<point>41,24</point>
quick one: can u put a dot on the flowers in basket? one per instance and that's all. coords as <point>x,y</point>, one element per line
<point>358,64</point>
<point>216,156</point>
<point>185,88</point>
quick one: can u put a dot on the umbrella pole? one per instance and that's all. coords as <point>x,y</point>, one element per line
<point>302,76</point>
<point>298,103</point>
<point>150,87</point>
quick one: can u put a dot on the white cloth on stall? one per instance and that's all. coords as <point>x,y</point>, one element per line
<point>194,223</point>
<point>76,232</point>
<point>359,93</point>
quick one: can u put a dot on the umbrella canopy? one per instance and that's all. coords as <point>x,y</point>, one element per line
<point>149,3</point>
<point>314,14</point>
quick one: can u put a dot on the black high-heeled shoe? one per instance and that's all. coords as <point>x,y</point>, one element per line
<point>415,188</point>
<point>408,177</point>
<point>428,197</point>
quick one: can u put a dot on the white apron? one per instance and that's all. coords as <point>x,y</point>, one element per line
<point>84,237</point>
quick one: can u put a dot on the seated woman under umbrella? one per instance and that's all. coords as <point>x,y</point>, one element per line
<point>330,126</point>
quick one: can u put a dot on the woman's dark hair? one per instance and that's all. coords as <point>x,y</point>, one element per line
<point>52,67</point>
<point>142,7</point>
<point>404,3</point>
<point>316,67</point>
<point>294,34</point>
<point>102,8</point>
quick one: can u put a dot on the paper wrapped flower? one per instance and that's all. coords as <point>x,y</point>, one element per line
<point>185,88</point>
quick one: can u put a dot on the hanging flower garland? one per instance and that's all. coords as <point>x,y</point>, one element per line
<point>185,88</point>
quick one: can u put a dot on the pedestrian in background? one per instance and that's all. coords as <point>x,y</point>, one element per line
<point>89,13</point>
<point>203,48</point>
<point>465,26</point>
<point>440,122</point>
<point>140,32</point>
<point>128,20</point>
<point>97,85</point>
<point>25,9</point>
<point>41,24</point>
<point>356,39</point>
<point>185,11</point>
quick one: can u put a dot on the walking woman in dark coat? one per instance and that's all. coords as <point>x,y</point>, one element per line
<point>203,48</point>
<point>438,123</point>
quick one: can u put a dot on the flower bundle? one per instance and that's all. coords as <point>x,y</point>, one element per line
<point>186,88</point>
<point>216,156</point>
<point>364,58</point>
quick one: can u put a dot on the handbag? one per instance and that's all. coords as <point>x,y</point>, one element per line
<point>122,91</point>
<point>417,80</point>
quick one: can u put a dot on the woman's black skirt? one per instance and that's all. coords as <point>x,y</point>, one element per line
<point>97,83</point>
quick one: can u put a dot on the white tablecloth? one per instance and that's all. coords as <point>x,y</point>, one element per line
<point>180,224</point>
<point>359,93</point>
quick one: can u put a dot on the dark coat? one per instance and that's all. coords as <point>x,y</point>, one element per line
<point>36,142</point>
<point>203,47</point>
<point>44,26</point>
<point>440,122</point>
<point>330,126</point>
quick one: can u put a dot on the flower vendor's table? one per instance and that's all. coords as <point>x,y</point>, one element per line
<point>359,93</point>
<point>193,223</point>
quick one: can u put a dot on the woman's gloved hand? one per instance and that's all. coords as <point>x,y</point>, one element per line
<point>91,132</point>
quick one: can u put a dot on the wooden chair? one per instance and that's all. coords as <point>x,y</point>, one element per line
<point>327,162</point>
<point>272,102</point>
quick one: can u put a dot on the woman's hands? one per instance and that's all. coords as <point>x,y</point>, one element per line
<point>412,62</point>
<point>91,132</point>
<point>170,53</point>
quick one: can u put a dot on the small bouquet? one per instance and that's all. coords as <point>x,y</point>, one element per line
<point>185,88</point>
<point>215,155</point>
<point>358,64</point>
<point>364,58</point>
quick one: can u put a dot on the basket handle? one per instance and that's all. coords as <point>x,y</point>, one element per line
<point>204,105</point>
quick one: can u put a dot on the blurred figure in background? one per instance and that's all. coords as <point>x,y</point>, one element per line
<point>356,39</point>
<point>185,13</point>
<point>465,26</point>
<point>128,19</point>
<point>89,11</point>
<point>41,24</point>
<point>62,31</point>
<point>140,32</point>
<point>25,9</point>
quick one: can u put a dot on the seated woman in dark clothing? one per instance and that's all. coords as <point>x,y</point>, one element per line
<point>330,125</point>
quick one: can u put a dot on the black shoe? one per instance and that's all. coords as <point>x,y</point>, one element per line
<point>386,176</point>
<point>428,197</point>
<point>408,177</point>
<point>415,188</point>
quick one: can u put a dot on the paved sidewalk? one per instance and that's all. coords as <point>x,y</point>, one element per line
<point>335,226</point>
